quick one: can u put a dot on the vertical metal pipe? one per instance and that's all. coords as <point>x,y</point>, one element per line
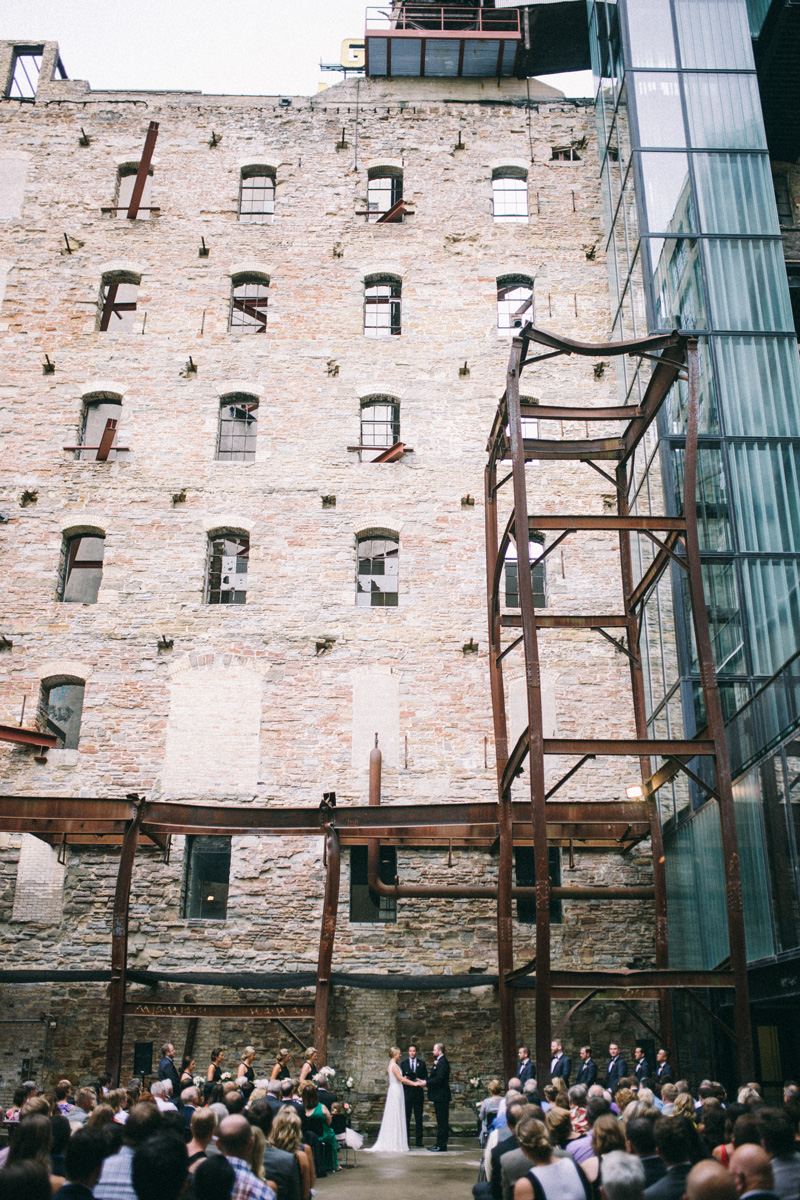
<point>119,944</point>
<point>640,719</point>
<point>533,689</point>
<point>716,728</point>
<point>505,931</point>
<point>330,908</point>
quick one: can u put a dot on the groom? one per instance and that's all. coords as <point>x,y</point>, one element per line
<point>440,1095</point>
<point>413,1067</point>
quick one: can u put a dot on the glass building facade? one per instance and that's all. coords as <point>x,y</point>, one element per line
<point>693,242</point>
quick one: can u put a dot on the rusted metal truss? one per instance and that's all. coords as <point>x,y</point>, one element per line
<point>674,357</point>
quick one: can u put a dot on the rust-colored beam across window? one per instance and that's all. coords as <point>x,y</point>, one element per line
<point>143,170</point>
<point>106,441</point>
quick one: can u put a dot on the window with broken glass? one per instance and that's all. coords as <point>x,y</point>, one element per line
<point>238,426</point>
<point>366,905</point>
<point>63,705</point>
<point>82,569</point>
<point>228,555</point>
<point>118,299</point>
<point>249,304</point>
<point>256,197</point>
<point>384,190</point>
<point>510,195</point>
<point>514,302</point>
<point>207,878</point>
<point>538,579</point>
<point>380,422</point>
<point>382,306</point>
<point>377,572</point>
<point>25,75</point>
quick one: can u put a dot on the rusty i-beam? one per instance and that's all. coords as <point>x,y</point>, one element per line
<point>119,944</point>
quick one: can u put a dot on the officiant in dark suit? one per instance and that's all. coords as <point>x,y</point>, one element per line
<point>413,1067</point>
<point>440,1095</point>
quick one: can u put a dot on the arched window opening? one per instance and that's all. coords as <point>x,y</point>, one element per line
<point>382,299</point>
<point>380,422</point>
<point>514,302</point>
<point>61,704</point>
<point>226,576</point>
<point>126,181</point>
<point>257,196</point>
<point>538,579</point>
<point>510,195</point>
<point>249,299</point>
<point>377,570</point>
<point>99,429</point>
<point>119,291</point>
<point>384,194</point>
<point>238,427</point>
<point>82,570</point>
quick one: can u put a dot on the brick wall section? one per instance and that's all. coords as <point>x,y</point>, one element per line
<point>136,736</point>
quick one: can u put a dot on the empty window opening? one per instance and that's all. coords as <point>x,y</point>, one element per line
<point>783,199</point>
<point>63,708</point>
<point>565,154</point>
<point>238,426</point>
<point>529,425</point>
<point>380,422</point>
<point>118,299</point>
<point>538,580</point>
<point>377,571</point>
<point>126,182</point>
<point>385,194</point>
<point>382,305</point>
<point>367,906</point>
<point>510,195</point>
<point>249,304</point>
<point>39,887</point>
<point>793,273</point>
<point>257,196</point>
<point>83,568</point>
<point>207,878</point>
<point>228,555</point>
<point>525,876</point>
<point>98,440</point>
<point>25,75</point>
<point>514,302</point>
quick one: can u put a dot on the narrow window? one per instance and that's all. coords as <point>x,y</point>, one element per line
<point>384,193</point>
<point>118,297</point>
<point>257,196</point>
<point>83,568</point>
<point>380,422</point>
<point>208,869</point>
<point>565,154</point>
<point>126,181</point>
<point>249,304</point>
<point>514,302</point>
<point>367,906</point>
<point>25,75</point>
<point>377,571</point>
<point>63,709</point>
<point>783,199</point>
<point>238,426</point>
<point>538,580</point>
<point>510,194</point>
<point>98,441</point>
<point>525,874</point>
<point>382,305</point>
<point>226,577</point>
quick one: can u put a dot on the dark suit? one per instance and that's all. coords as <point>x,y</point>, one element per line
<point>414,1096</point>
<point>283,1169</point>
<point>167,1070</point>
<point>654,1169</point>
<point>671,1186</point>
<point>440,1096</point>
<point>617,1069</point>
<point>562,1068</point>
<point>496,1182</point>
<point>526,1071</point>
<point>643,1070</point>
<point>587,1073</point>
<point>665,1073</point>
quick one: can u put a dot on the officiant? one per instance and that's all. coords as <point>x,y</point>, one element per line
<point>413,1067</point>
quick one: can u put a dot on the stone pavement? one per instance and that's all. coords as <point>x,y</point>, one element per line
<point>416,1175</point>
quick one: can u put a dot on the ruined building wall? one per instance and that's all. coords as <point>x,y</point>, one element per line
<point>277,700</point>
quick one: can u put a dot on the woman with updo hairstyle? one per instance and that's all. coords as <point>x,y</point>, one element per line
<point>559,1126</point>
<point>281,1068</point>
<point>308,1068</point>
<point>245,1075</point>
<point>558,1178</point>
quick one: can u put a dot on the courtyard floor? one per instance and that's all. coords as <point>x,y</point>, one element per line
<point>416,1175</point>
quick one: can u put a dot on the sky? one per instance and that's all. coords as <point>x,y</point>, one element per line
<point>259,47</point>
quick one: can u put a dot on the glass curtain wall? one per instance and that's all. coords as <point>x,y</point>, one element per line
<point>693,242</point>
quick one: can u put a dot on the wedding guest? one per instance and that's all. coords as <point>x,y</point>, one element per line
<point>314,1109</point>
<point>203,1124</point>
<point>20,1096</point>
<point>577,1108</point>
<point>32,1139</point>
<point>25,1180</point>
<point>160,1168</point>
<point>607,1135</point>
<point>488,1109</point>
<point>235,1140</point>
<point>279,1166</point>
<point>777,1138</point>
<point>559,1178</point>
<point>214,1179</point>
<point>281,1068</point>
<point>308,1068</point>
<point>286,1135</point>
<point>84,1161</point>
<point>641,1141</point>
<point>623,1177</point>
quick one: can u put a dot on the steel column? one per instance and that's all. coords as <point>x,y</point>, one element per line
<point>327,934</point>
<point>716,728</point>
<point>119,944</point>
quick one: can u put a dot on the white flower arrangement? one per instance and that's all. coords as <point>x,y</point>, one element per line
<point>224,1076</point>
<point>348,1083</point>
<point>328,1072</point>
<point>198,1080</point>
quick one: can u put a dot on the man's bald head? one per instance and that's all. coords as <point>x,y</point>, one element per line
<point>235,1136</point>
<point>751,1169</point>
<point>709,1180</point>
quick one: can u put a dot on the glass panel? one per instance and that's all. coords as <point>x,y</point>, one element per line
<point>772,593</point>
<point>64,710</point>
<point>760,378</point>
<point>721,591</point>
<point>227,570</point>
<point>514,305</point>
<point>382,310</point>
<point>667,193</point>
<point>693,854</point>
<point>766,478</point>
<point>778,780</point>
<point>734,193</point>
<point>713,515</point>
<point>747,285</point>
<point>380,424</point>
<point>83,570</point>
<point>677,286</point>
<point>237,430</point>
<point>383,192</point>
<point>714,34</point>
<point>658,110</point>
<point>538,578</point>
<point>510,199</point>
<point>377,573</point>
<point>724,111</point>
<point>675,407</point>
<point>208,866</point>
<point>757,11</point>
<point>755,895</point>
<point>25,78</point>
<point>249,307</point>
<point>650,39</point>
<point>257,201</point>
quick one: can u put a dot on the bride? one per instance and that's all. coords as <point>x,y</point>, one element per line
<point>392,1136</point>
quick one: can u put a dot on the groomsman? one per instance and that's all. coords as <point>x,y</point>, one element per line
<point>664,1072</point>
<point>617,1067</point>
<point>641,1069</point>
<point>560,1065</point>
<point>587,1072</point>
<point>526,1068</point>
<point>414,1067</point>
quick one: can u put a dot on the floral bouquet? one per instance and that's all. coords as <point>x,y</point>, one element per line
<point>224,1076</point>
<point>476,1083</point>
<point>198,1081</point>
<point>328,1072</point>
<point>349,1083</point>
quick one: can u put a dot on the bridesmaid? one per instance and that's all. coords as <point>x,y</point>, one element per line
<point>214,1073</point>
<point>308,1068</point>
<point>281,1068</point>
<point>245,1075</point>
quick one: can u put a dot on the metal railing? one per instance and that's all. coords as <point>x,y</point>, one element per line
<point>435,18</point>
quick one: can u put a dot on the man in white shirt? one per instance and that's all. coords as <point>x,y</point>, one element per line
<point>161,1092</point>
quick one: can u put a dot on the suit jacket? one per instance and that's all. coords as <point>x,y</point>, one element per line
<point>496,1175</point>
<point>665,1073</point>
<point>654,1169</point>
<point>671,1186</point>
<point>167,1070</point>
<point>526,1072</point>
<point>325,1097</point>
<point>513,1166</point>
<point>617,1069</point>
<point>587,1073</point>
<point>439,1081</point>
<point>420,1073</point>
<point>563,1069</point>
<point>643,1070</point>
<point>283,1169</point>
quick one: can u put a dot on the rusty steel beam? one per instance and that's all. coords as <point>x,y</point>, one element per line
<point>644,345</point>
<point>555,412</point>
<point>143,170</point>
<point>624,979</point>
<point>567,621</point>
<point>107,440</point>
<point>119,945</point>
<point>665,372</point>
<point>27,737</point>
<point>244,1011</point>
<point>562,1024</point>
<point>330,908</point>
<point>653,573</point>
<point>606,523</point>
<point>546,449</point>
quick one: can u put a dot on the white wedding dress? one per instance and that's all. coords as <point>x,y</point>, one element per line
<point>392,1137</point>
